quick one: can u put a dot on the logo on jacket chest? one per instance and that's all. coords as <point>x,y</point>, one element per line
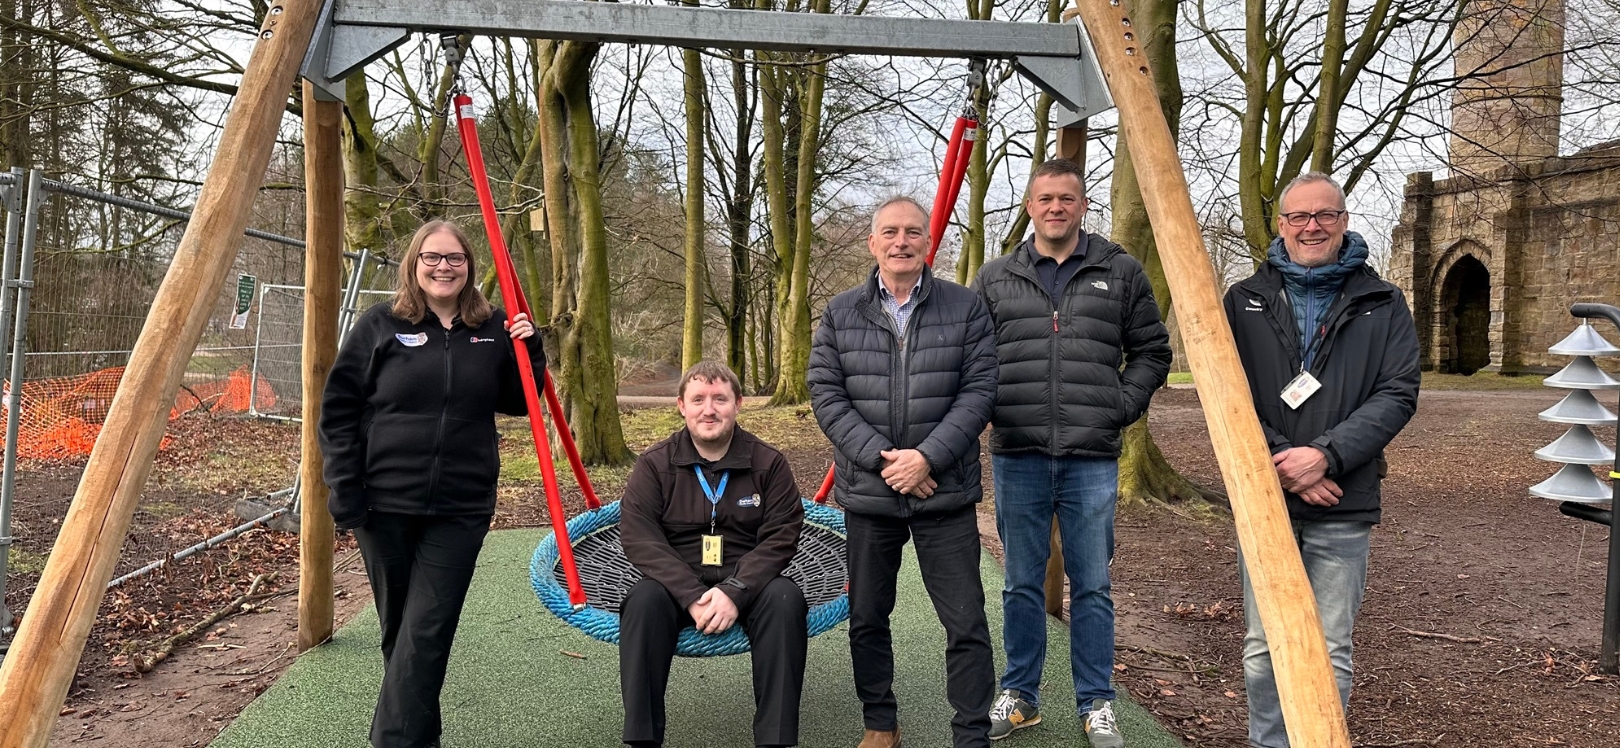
<point>748,502</point>
<point>476,339</point>
<point>1100,285</point>
<point>412,340</point>
<point>1252,306</point>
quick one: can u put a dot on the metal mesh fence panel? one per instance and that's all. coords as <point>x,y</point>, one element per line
<point>97,267</point>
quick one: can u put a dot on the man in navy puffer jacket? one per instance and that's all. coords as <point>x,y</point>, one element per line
<point>903,378</point>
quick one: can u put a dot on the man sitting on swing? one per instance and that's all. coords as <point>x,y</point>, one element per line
<point>711,516</point>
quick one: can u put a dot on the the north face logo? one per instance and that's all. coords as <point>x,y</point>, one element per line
<point>1100,284</point>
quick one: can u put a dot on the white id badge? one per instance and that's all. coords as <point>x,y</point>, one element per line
<point>1300,390</point>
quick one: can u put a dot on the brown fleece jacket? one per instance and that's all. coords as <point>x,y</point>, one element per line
<point>665,515</point>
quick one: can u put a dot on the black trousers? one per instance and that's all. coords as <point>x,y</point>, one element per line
<point>649,622</point>
<point>948,555</point>
<point>420,568</point>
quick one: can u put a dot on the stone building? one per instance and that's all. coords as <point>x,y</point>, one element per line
<point>1492,257</point>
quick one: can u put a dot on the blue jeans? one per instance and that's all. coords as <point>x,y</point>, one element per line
<point>1080,492</point>
<point>1335,556</point>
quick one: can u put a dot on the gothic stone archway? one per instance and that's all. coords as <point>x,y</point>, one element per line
<point>1465,317</point>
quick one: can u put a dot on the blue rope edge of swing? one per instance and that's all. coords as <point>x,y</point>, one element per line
<point>603,625</point>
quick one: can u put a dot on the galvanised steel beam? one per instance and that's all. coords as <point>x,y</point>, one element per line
<point>716,27</point>
<point>1055,57</point>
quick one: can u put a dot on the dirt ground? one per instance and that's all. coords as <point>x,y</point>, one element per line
<point>1481,623</point>
<point>209,463</point>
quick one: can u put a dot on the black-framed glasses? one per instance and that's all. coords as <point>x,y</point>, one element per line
<point>434,258</point>
<point>1324,218</point>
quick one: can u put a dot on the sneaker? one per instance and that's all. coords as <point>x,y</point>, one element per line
<point>1101,728</point>
<point>1011,713</point>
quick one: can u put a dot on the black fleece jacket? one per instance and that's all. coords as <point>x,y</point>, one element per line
<point>1367,362</point>
<point>408,417</point>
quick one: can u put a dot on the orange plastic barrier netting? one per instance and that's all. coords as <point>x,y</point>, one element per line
<point>61,417</point>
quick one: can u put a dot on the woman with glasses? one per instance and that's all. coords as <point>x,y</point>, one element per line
<point>408,436</point>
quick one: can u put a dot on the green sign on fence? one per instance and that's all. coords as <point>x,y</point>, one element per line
<point>245,285</point>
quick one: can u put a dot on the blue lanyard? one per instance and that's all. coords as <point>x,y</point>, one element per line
<point>714,494</point>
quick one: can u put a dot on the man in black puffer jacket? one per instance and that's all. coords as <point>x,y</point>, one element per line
<point>1082,351</point>
<point>902,378</point>
<point>1331,355</point>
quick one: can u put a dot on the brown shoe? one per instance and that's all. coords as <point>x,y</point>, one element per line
<point>876,739</point>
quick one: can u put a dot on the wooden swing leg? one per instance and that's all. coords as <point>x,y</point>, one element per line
<point>39,667</point>
<point>1287,609</point>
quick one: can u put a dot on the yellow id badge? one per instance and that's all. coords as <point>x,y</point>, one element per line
<point>713,550</point>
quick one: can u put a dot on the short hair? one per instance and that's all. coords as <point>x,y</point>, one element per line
<point>711,372</point>
<point>1056,167</point>
<point>897,200</point>
<point>410,302</point>
<point>1310,177</point>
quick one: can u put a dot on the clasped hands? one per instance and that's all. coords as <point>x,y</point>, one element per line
<point>1303,470</point>
<point>714,612</point>
<point>906,471</point>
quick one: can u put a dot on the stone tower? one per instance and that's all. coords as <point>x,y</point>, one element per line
<point>1509,59</point>
<point>1492,257</point>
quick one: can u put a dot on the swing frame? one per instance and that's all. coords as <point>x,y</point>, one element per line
<point>38,670</point>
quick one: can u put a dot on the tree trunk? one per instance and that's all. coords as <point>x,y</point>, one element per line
<point>1254,195</point>
<point>791,387</point>
<point>16,87</point>
<point>362,207</point>
<point>595,412</point>
<point>581,324</point>
<point>738,219</point>
<point>1144,473</point>
<point>772,85</point>
<point>1327,121</point>
<point>692,329</point>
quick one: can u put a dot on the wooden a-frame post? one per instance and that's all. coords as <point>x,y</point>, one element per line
<point>323,268</point>
<point>39,667</point>
<point>1282,593</point>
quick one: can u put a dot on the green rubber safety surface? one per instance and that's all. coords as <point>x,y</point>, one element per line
<point>510,683</point>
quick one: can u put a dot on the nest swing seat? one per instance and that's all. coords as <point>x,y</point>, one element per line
<point>818,567</point>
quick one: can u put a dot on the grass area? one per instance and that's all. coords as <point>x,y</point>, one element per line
<point>19,561</point>
<point>1180,377</point>
<point>1481,381</point>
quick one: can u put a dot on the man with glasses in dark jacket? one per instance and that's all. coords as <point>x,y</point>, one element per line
<point>1331,355</point>
<point>902,378</point>
<point>1082,350</point>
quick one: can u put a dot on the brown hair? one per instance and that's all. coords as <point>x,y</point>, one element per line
<point>711,372</point>
<point>1057,167</point>
<point>410,303</point>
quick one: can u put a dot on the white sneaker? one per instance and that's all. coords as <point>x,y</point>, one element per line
<point>1101,728</point>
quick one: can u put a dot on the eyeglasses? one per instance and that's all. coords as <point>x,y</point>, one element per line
<point>434,258</point>
<point>1324,218</point>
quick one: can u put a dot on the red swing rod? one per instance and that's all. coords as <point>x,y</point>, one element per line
<point>958,152</point>
<point>512,297</point>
